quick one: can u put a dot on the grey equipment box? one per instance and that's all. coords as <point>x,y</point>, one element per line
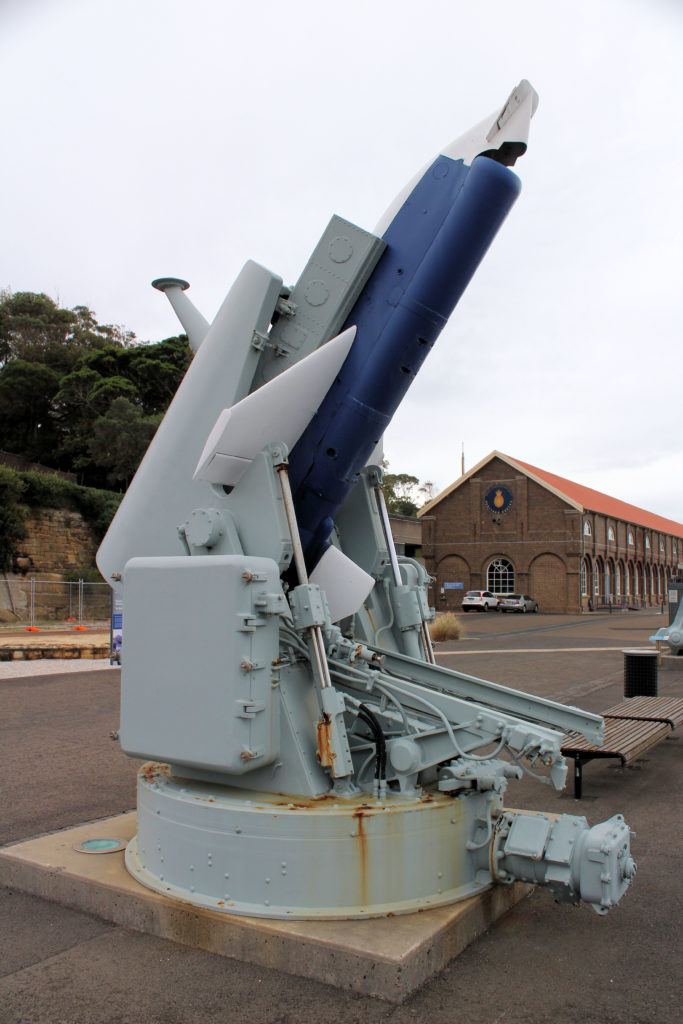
<point>202,634</point>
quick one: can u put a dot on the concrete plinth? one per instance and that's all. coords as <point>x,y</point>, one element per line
<point>388,958</point>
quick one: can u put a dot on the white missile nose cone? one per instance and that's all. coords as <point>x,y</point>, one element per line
<point>502,135</point>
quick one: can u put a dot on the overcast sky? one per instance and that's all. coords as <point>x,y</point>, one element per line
<point>144,138</point>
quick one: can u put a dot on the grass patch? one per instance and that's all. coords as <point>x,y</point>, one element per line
<point>446,626</point>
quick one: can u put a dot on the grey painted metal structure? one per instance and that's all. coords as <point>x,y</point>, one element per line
<point>672,635</point>
<point>305,763</point>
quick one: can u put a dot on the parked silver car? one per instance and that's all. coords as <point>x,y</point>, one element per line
<point>517,603</point>
<point>479,601</point>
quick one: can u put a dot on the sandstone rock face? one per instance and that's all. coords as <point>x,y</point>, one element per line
<point>58,544</point>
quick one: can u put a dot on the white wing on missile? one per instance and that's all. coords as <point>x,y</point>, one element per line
<point>505,130</point>
<point>345,584</point>
<point>280,410</point>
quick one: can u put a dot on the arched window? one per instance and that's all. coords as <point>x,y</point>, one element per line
<point>617,581</point>
<point>587,531</point>
<point>661,546</point>
<point>606,579</point>
<point>647,543</point>
<point>585,573</point>
<point>500,577</point>
<point>629,539</point>
<point>610,533</point>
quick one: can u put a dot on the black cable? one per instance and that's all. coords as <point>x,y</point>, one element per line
<point>370,719</point>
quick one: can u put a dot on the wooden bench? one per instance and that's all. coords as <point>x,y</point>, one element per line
<point>631,729</point>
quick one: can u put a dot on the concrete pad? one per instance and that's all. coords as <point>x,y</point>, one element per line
<point>388,957</point>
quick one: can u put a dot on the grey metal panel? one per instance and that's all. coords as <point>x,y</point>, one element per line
<point>323,297</point>
<point>163,493</point>
<point>201,638</point>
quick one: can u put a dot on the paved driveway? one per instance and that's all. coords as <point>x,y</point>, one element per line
<point>542,964</point>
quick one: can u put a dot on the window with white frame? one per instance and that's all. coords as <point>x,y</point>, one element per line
<point>629,539</point>
<point>610,533</point>
<point>587,528</point>
<point>500,577</point>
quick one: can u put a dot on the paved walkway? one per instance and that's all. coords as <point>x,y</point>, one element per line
<point>542,964</point>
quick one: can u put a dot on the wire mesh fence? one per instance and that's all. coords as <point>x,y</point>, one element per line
<point>33,602</point>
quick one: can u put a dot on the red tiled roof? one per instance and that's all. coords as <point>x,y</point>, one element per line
<point>595,501</point>
<point>583,497</point>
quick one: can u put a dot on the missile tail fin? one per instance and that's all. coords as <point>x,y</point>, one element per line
<point>280,410</point>
<point>345,584</point>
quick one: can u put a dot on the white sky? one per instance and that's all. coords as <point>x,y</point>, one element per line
<point>144,138</point>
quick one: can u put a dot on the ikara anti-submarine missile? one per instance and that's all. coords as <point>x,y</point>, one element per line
<point>436,234</point>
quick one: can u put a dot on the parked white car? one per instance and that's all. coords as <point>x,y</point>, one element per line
<point>517,603</point>
<point>479,601</point>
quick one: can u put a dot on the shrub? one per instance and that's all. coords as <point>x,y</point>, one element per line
<point>47,490</point>
<point>12,528</point>
<point>446,626</point>
<point>21,491</point>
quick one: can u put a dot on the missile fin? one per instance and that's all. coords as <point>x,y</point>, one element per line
<point>345,584</point>
<point>280,410</point>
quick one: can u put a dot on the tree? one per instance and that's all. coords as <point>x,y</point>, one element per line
<point>12,528</point>
<point>31,326</point>
<point>87,333</point>
<point>27,392</point>
<point>403,493</point>
<point>61,371</point>
<point>120,438</point>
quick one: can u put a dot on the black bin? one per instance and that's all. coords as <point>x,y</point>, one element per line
<point>640,673</point>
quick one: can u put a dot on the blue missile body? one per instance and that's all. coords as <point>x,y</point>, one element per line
<point>435,243</point>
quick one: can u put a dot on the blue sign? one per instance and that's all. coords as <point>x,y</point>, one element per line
<point>453,586</point>
<point>498,500</point>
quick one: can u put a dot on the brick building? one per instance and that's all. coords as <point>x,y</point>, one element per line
<point>508,527</point>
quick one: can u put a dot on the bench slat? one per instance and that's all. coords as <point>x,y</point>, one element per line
<point>625,738</point>
<point>654,709</point>
<point>622,737</point>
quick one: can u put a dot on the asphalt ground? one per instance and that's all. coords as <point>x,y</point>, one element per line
<point>541,964</point>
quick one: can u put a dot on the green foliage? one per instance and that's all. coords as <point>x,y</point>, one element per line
<point>87,573</point>
<point>403,493</point>
<point>79,396</point>
<point>32,326</point>
<point>12,529</point>
<point>47,490</point>
<point>27,394</point>
<point>120,438</point>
